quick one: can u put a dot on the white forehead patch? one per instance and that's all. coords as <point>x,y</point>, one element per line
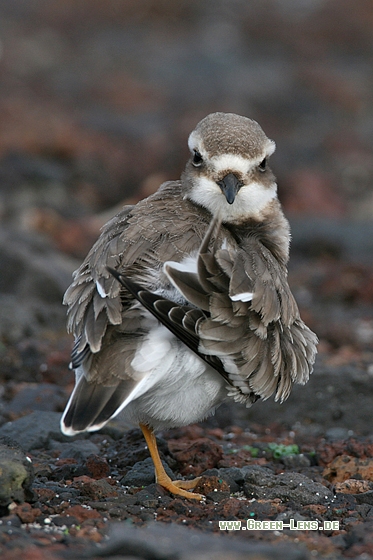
<point>240,163</point>
<point>232,161</point>
<point>193,141</point>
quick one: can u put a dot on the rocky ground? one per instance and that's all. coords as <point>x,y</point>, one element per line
<point>95,496</point>
<point>96,103</point>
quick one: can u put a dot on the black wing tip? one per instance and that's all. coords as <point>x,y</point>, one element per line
<point>130,285</point>
<point>114,273</point>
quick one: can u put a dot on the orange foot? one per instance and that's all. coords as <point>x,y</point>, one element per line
<point>177,487</point>
<point>180,487</point>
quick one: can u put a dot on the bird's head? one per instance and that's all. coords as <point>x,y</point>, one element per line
<point>228,171</point>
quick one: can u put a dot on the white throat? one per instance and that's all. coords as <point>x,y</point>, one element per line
<point>250,202</point>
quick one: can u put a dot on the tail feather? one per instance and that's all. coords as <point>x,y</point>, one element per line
<point>92,405</point>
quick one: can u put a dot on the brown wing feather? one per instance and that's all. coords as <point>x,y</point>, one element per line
<point>265,339</point>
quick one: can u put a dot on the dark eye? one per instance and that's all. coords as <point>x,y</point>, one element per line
<point>197,159</point>
<point>262,165</point>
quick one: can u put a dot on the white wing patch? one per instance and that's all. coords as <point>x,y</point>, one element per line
<point>188,264</point>
<point>244,296</point>
<point>101,289</point>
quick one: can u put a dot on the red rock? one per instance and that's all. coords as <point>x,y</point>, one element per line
<point>97,466</point>
<point>345,467</point>
<point>353,486</point>
<point>44,494</point>
<point>209,484</point>
<point>91,533</point>
<point>95,490</point>
<point>26,513</point>
<point>197,457</point>
<point>230,508</point>
<point>81,513</point>
<point>326,452</point>
<point>317,509</point>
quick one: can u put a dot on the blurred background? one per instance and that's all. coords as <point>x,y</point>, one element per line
<point>97,99</point>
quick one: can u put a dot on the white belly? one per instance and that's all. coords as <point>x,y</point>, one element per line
<point>178,388</point>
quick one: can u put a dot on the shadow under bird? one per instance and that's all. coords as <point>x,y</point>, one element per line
<point>184,300</point>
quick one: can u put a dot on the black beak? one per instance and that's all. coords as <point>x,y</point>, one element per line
<point>230,186</point>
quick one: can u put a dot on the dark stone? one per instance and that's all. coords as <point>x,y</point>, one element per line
<point>142,474</point>
<point>95,490</point>
<point>233,476</point>
<point>35,430</point>
<point>296,461</point>
<point>288,487</point>
<point>11,521</point>
<point>36,396</point>
<point>217,496</point>
<point>33,279</point>
<point>260,476</point>
<point>150,496</point>
<point>131,448</point>
<point>68,472</point>
<point>68,520</point>
<point>200,455</point>
<point>121,502</point>
<point>79,449</point>
<point>364,497</point>
<point>316,406</point>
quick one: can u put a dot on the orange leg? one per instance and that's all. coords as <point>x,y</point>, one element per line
<point>177,487</point>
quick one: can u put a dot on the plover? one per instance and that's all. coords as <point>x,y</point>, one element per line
<point>184,300</point>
